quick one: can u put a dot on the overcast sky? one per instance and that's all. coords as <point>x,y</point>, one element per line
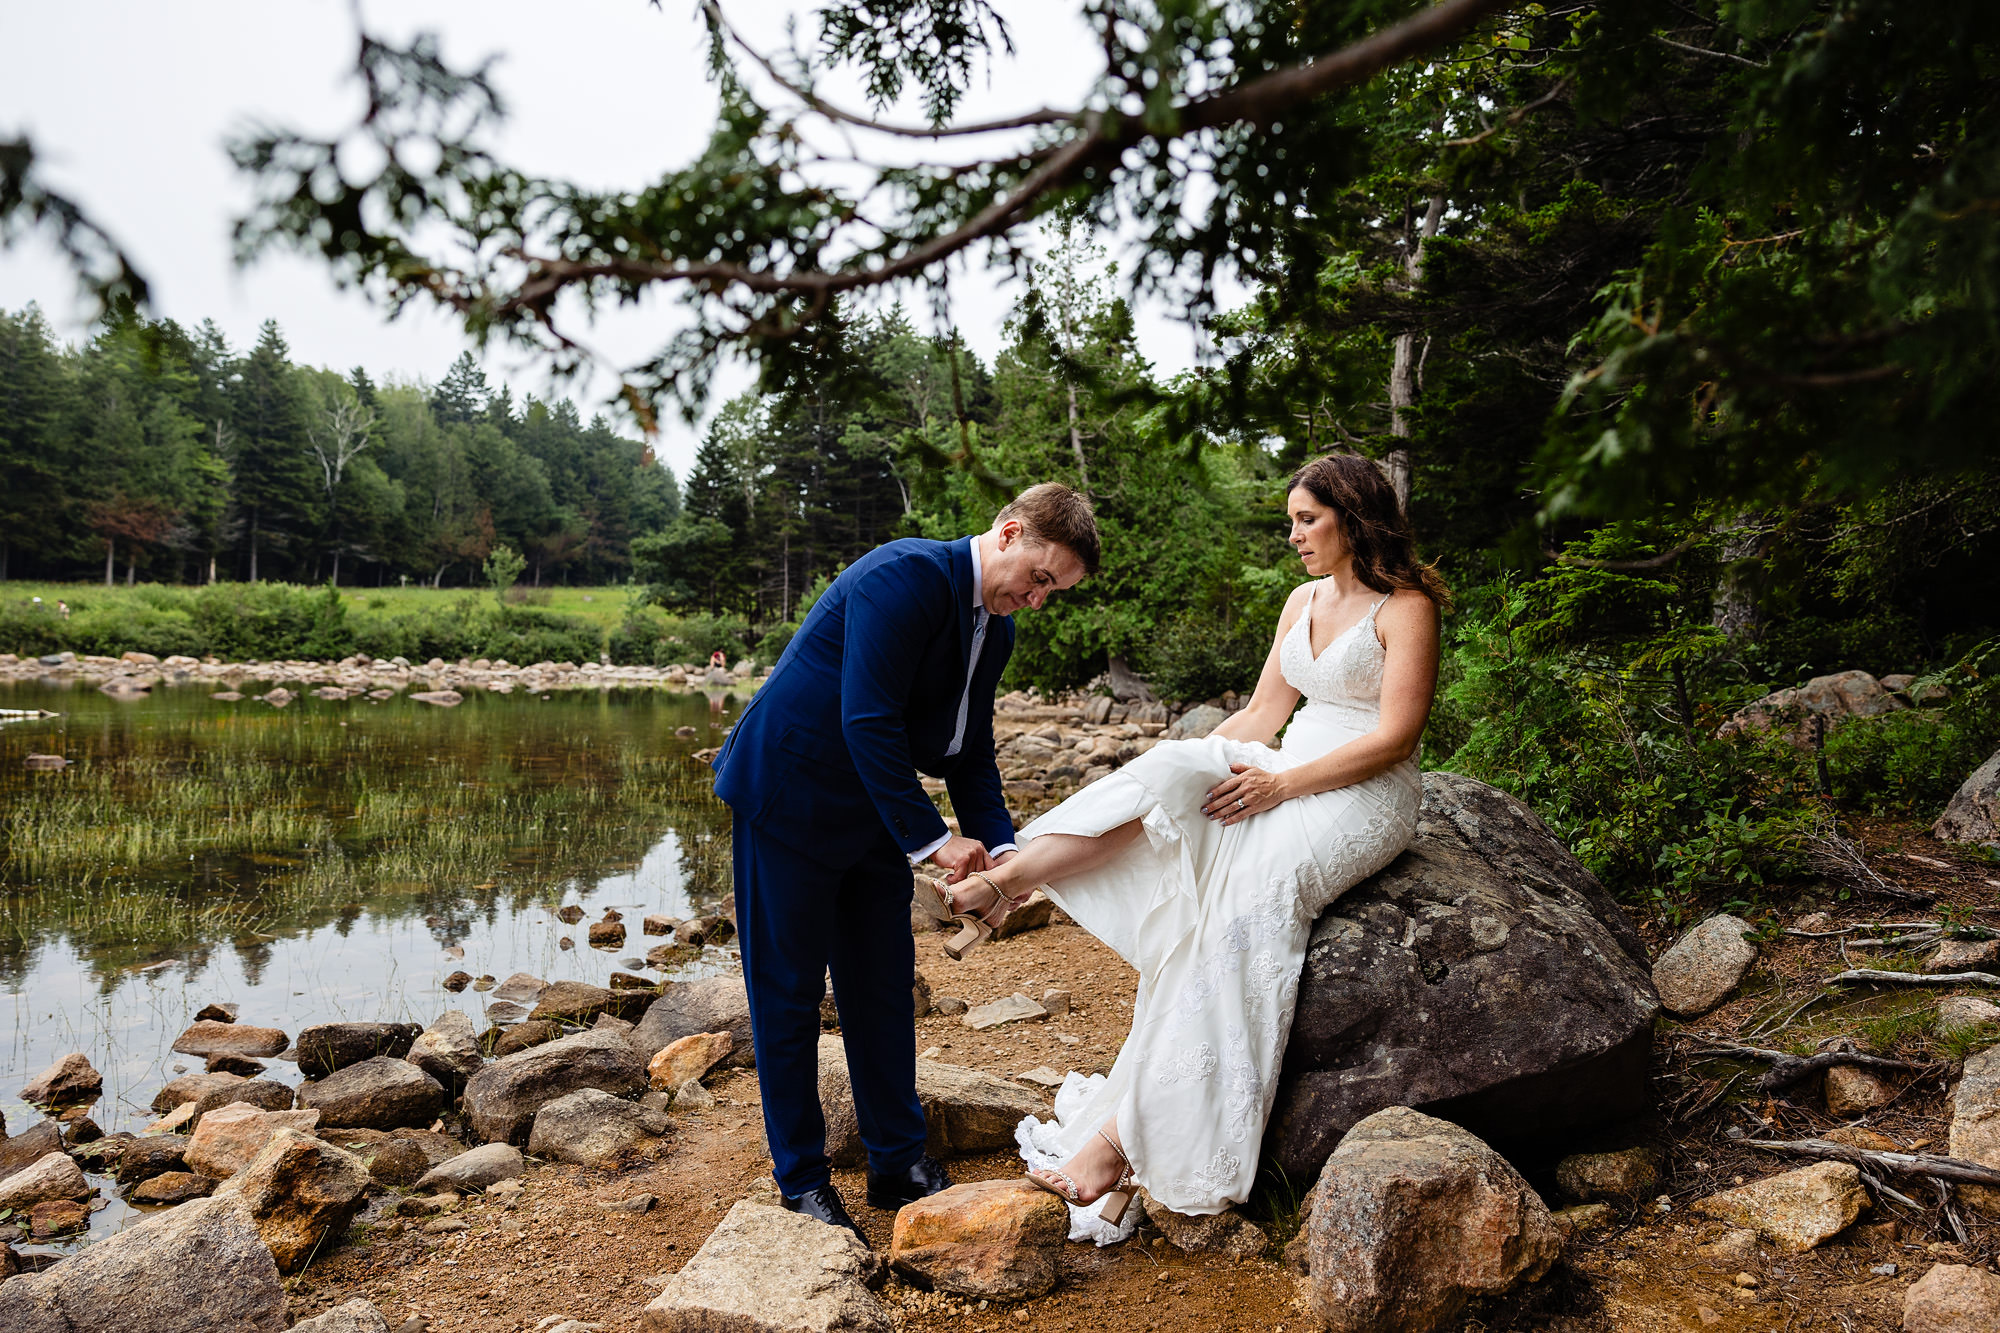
<point>129,103</point>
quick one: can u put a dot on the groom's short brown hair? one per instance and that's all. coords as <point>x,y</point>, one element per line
<point>1052,512</point>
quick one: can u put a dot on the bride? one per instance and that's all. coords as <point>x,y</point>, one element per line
<point>1204,863</point>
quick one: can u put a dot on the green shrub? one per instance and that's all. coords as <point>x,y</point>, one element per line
<point>524,636</point>
<point>271,622</point>
<point>1911,762</point>
<point>641,640</point>
<point>772,646</point>
<point>1196,656</point>
<point>693,638</point>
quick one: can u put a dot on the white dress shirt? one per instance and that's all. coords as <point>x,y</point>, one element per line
<point>979,619</point>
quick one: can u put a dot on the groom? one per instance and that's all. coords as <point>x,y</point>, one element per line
<point>892,673</point>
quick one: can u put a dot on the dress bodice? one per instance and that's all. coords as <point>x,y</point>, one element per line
<point>1347,674</point>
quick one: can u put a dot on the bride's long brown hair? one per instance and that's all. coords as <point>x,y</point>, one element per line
<point>1376,529</point>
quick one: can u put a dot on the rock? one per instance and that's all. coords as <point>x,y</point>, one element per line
<point>227,696</point>
<point>950,1006</point>
<point>208,1037</point>
<point>700,930</point>
<point>1583,1217</point>
<point>997,1239</point>
<point>1975,1125</point>
<point>29,1147</point>
<point>521,988</point>
<point>579,1002</point>
<point>965,1110</point>
<point>1856,1137</point>
<point>57,1217</point>
<point>657,924</point>
<point>1838,698</point>
<point>711,1004</point>
<point>1196,722</point>
<point>1956,1012</point>
<point>447,1050</point>
<point>54,1176</point>
<point>1057,1002</point>
<point>382,1093</point>
<point>1736,1245</point>
<point>637,1204</point>
<point>1797,1209</point>
<point>1228,1233</point>
<point>501,1100</point>
<point>1704,965</point>
<point>1412,1217</point>
<point>690,1097</point>
<point>199,1268</point>
<point>263,1093</point>
<point>223,1012</point>
<point>70,1079</point>
<point>278,697</point>
<point>484,983</point>
<point>606,1023</point>
<point>402,1162</point>
<point>300,1191</point>
<point>240,1065</point>
<point>230,1137</point>
<point>440,698</point>
<point>1016,1008</point>
<point>1852,1092</point>
<point>537,1032</point>
<point>593,1128</point>
<point>1951,956</point>
<point>1041,1076</point>
<point>1033,914</point>
<point>1485,972</point>
<point>475,1170</point>
<point>153,1155</point>
<point>1973,813</point>
<point>689,1058</point>
<point>78,1131</point>
<point>355,1316</point>
<point>628,981</point>
<point>457,981</point>
<point>45,763</point>
<point>607,934</point>
<point>569,914</point>
<point>1952,1298</point>
<point>191,1088</point>
<point>1624,1174</point>
<point>172,1187</point>
<point>326,1047</point>
<point>920,995</point>
<point>763,1270</point>
<point>1813,921</point>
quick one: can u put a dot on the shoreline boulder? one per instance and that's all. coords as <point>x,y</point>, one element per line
<point>1411,1219</point>
<point>965,1110</point>
<point>379,1093</point>
<point>1484,976</point>
<point>710,1004</point>
<point>1973,813</point>
<point>501,1100</point>
<point>765,1268</point>
<point>70,1079</point>
<point>299,1191</point>
<point>326,1048</point>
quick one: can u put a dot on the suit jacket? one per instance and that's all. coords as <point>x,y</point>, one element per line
<point>826,756</point>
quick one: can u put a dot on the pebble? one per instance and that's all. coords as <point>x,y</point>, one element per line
<point>638,1203</point>
<point>931,1053</point>
<point>950,1005</point>
<point>1883,1270</point>
<point>1056,1001</point>
<point>439,1226</point>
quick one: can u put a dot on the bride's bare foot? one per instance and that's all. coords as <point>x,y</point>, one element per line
<point>1098,1169</point>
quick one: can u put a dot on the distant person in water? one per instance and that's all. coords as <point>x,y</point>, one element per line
<point>717,660</point>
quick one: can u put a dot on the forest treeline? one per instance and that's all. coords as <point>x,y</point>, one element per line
<point>157,452</point>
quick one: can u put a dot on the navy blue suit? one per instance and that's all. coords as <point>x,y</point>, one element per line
<point>821,774</point>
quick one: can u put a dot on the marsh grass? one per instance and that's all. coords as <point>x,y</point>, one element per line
<point>212,825</point>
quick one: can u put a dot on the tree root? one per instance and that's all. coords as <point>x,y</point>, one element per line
<point>1930,1166</point>
<point>1788,1069</point>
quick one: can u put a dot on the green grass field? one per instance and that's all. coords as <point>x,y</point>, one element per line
<point>603,607</point>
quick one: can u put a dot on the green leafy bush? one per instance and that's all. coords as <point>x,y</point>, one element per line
<point>1196,656</point>
<point>1911,762</point>
<point>772,646</point>
<point>648,637</point>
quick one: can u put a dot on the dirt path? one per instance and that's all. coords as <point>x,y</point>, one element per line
<point>559,1252</point>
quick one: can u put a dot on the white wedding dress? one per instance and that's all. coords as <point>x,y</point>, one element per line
<point>1216,920</point>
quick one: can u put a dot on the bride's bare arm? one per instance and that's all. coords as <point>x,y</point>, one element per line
<point>1272,702</point>
<point>1408,624</point>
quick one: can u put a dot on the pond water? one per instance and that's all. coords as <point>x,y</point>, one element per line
<point>327,860</point>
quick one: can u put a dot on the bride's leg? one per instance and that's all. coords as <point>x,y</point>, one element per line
<point>1051,856</point>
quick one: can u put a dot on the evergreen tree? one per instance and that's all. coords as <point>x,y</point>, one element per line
<point>270,455</point>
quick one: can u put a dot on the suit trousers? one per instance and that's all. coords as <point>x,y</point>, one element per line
<point>798,917</point>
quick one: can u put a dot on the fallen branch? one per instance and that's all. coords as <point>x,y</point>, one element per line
<point>1928,1165</point>
<point>1788,1069</point>
<point>1914,978</point>
<point>1863,925</point>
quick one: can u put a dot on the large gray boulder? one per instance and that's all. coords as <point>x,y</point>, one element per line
<point>710,1004</point>
<point>197,1268</point>
<point>501,1100</point>
<point>448,1050</point>
<point>300,1191</point>
<point>1974,813</point>
<point>1839,698</point>
<point>1484,976</point>
<point>355,1316</point>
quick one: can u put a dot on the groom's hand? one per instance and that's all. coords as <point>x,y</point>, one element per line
<point>961,856</point>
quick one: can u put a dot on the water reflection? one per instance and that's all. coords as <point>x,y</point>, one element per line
<point>333,860</point>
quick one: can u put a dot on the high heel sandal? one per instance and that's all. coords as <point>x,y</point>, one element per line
<point>1116,1199</point>
<point>975,929</point>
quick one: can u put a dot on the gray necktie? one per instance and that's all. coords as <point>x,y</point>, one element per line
<point>971,665</point>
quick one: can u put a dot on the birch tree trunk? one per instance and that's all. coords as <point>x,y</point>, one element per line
<point>1076,445</point>
<point>110,561</point>
<point>1736,612</point>
<point>1403,369</point>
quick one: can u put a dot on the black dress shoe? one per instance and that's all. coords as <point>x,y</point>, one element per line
<point>823,1204</point>
<point>906,1187</point>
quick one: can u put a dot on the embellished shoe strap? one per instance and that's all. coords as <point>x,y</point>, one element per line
<point>1013,904</point>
